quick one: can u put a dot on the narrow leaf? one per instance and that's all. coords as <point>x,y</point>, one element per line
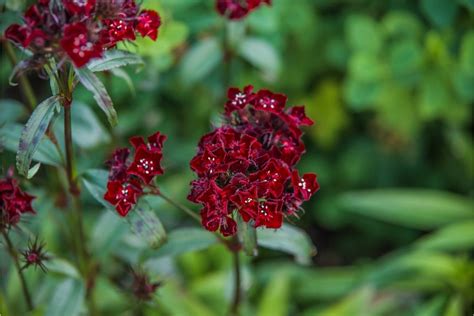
<point>146,224</point>
<point>62,267</point>
<point>289,239</point>
<point>97,88</point>
<point>33,132</point>
<point>455,237</point>
<point>114,59</point>
<point>422,209</point>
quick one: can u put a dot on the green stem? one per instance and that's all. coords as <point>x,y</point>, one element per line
<point>180,206</point>
<point>234,308</point>
<point>16,261</point>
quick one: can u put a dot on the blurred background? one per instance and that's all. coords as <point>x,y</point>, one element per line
<point>390,85</point>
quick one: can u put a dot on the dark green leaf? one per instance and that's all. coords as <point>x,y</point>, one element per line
<point>440,12</point>
<point>11,110</point>
<point>114,59</point>
<point>289,239</point>
<point>33,133</point>
<point>94,85</point>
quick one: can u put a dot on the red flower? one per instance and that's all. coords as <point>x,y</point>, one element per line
<point>78,44</point>
<point>148,23</point>
<point>79,7</point>
<point>297,114</point>
<point>17,34</point>
<point>269,101</point>
<point>122,195</point>
<point>305,186</point>
<point>117,30</point>
<point>13,202</point>
<point>237,9</point>
<point>35,255</point>
<point>272,178</point>
<point>155,141</point>
<point>146,164</point>
<point>118,164</point>
<point>238,99</point>
<point>269,214</point>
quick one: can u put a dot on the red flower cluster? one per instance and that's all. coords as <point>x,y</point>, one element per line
<point>127,178</point>
<point>13,202</point>
<point>248,164</point>
<point>81,30</point>
<point>237,9</point>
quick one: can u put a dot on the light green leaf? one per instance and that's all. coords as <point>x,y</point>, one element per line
<point>45,153</point>
<point>275,298</point>
<point>454,307</point>
<point>67,299</point>
<point>262,55</point>
<point>94,85</point>
<point>185,240</point>
<point>455,237</point>
<point>355,304</point>
<point>33,133</point>
<point>415,208</point>
<point>114,59</point>
<point>200,60</point>
<point>11,110</point>
<point>289,239</point>
<point>33,170</point>
<point>144,223</point>
<point>62,267</point>
<point>107,233</point>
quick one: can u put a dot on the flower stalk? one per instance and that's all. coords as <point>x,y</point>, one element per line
<point>234,308</point>
<point>14,255</point>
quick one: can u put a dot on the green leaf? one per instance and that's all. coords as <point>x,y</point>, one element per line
<point>94,85</point>
<point>114,59</point>
<point>88,131</point>
<point>67,299</point>
<point>33,133</point>
<point>45,153</point>
<point>414,208</point>
<point>355,304</point>
<point>200,60</point>
<point>144,223</point>
<point>12,110</point>
<point>95,181</point>
<point>122,74</point>
<point>454,307</point>
<point>248,237</point>
<point>440,12</point>
<point>432,307</point>
<point>262,55</point>
<point>62,267</point>
<point>289,239</point>
<point>275,298</point>
<point>185,240</point>
<point>107,233</point>
<point>455,237</point>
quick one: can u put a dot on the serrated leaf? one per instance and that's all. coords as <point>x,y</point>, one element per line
<point>97,88</point>
<point>33,132</point>
<point>415,208</point>
<point>114,59</point>
<point>289,239</point>
<point>68,299</point>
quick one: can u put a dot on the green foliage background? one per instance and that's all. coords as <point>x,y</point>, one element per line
<point>390,85</point>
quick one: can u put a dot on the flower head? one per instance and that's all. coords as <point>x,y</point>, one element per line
<point>81,30</point>
<point>237,9</point>
<point>129,178</point>
<point>246,167</point>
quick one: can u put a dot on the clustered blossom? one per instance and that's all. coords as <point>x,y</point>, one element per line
<point>13,202</point>
<point>129,177</point>
<point>81,29</point>
<point>142,287</point>
<point>247,166</point>
<point>237,9</point>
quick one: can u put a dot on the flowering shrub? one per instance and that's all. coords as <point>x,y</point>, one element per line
<point>127,178</point>
<point>237,9</point>
<point>248,164</point>
<point>14,202</point>
<point>80,30</point>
